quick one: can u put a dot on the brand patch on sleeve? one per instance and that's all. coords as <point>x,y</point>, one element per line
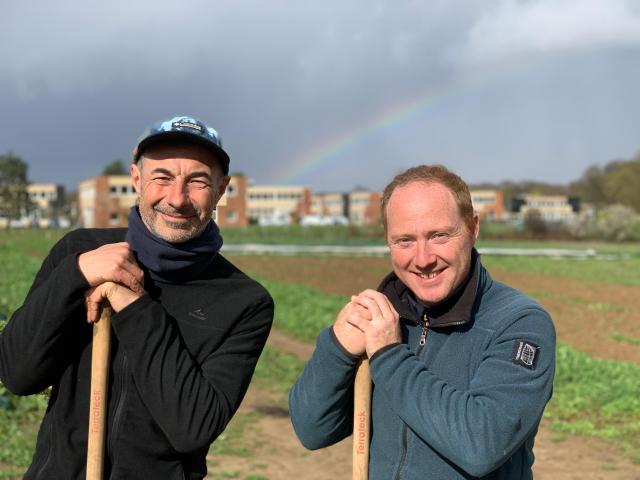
<point>525,353</point>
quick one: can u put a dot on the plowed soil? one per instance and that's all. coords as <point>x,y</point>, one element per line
<point>585,312</point>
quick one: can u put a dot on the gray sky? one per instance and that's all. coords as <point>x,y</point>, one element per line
<point>329,94</point>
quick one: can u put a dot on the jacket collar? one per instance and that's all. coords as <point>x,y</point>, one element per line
<point>456,310</point>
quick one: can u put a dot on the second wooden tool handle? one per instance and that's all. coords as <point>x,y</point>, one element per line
<point>100,353</point>
<point>361,421</point>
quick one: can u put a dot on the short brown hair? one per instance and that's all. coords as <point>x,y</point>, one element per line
<point>432,174</point>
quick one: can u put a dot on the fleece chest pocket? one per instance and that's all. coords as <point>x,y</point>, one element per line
<point>454,356</point>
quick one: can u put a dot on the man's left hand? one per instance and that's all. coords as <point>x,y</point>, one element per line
<point>384,327</point>
<point>118,295</point>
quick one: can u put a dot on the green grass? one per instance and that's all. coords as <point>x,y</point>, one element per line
<point>225,474</point>
<point>296,234</point>
<point>622,338</point>
<point>34,243</point>
<point>21,253</point>
<point>18,429</point>
<point>620,272</point>
<point>16,278</point>
<point>541,295</point>
<point>599,398</point>
<point>627,249</point>
<point>233,441</point>
<point>276,370</point>
<point>302,311</point>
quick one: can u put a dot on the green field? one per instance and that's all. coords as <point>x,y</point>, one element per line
<point>618,272</point>
<point>295,234</point>
<point>592,397</point>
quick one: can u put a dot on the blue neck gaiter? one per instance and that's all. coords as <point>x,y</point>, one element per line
<point>172,262</point>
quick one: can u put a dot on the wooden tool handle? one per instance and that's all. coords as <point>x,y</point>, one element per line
<point>361,421</point>
<point>98,405</point>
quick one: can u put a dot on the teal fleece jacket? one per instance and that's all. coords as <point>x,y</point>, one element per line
<point>465,405</point>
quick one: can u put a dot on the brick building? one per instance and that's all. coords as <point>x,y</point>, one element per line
<point>232,207</point>
<point>364,207</point>
<point>277,204</point>
<point>105,201</point>
<point>48,204</point>
<point>552,208</point>
<point>488,204</point>
<point>329,204</point>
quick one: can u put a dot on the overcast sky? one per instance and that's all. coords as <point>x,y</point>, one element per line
<point>329,94</point>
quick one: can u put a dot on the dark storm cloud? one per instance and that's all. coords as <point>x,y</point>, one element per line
<point>80,81</point>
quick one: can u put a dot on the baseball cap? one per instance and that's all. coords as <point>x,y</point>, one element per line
<point>183,128</point>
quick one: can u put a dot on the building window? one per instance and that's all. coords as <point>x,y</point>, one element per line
<point>232,191</point>
<point>232,216</point>
<point>114,218</point>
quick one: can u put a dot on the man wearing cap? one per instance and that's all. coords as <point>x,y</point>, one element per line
<point>462,365</point>
<point>188,326</point>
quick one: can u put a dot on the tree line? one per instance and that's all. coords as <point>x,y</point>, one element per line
<point>616,183</point>
<point>13,186</point>
<point>613,190</point>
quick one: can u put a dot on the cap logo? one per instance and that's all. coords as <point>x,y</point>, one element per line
<point>188,129</point>
<point>194,126</point>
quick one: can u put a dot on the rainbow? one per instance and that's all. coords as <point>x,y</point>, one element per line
<point>321,153</point>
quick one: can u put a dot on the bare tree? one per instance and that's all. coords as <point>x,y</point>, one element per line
<point>14,199</point>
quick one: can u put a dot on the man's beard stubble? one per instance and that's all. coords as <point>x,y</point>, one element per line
<point>178,231</point>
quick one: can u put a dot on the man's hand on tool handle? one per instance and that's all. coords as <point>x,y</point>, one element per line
<point>118,295</point>
<point>113,273</point>
<point>381,327</point>
<point>350,337</point>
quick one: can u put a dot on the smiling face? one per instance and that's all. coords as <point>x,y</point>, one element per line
<point>429,241</point>
<point>179,185</point>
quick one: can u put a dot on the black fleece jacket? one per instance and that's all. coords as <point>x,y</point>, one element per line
<point>182,358</point>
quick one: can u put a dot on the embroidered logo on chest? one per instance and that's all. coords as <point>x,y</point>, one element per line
<point>198,313</point>
<point>525,353</point>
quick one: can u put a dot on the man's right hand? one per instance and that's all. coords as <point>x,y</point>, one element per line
<point>350,337</point>
<point>113,262</point>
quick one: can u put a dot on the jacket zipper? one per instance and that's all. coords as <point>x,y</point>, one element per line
<point>423,333</point>
<point>405,428</point>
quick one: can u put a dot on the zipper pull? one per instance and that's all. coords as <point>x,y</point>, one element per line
<point>425,330</point>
